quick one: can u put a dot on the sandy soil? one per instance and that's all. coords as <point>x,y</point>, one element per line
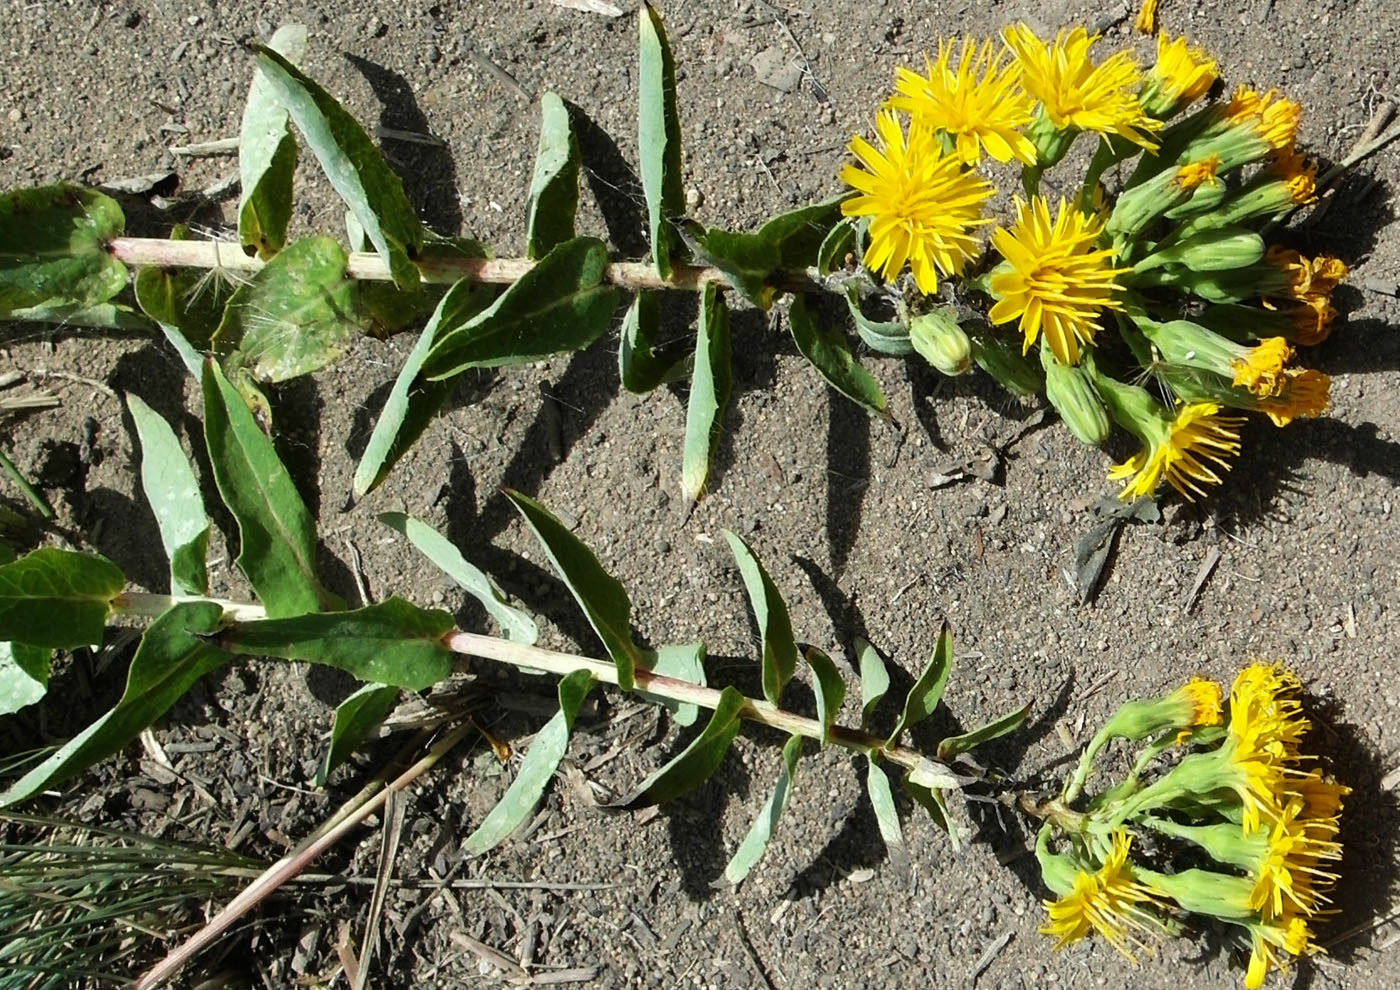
<point>844,510</point>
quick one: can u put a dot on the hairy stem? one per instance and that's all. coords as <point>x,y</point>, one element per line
<point>228,256</point>
<point>686,692</point>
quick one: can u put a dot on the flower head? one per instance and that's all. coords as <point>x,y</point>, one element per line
<point>1298,174</point>
<point>1110,901</point>
<point>924,207</point>
<point>1077,94</point>
<point>1272,944</point>
<point>980,104</point>
<point>1182,75</point>
<point>1180,452</point>
<point>1269,115</point>
<point>1293,872</point>
<point>1266,724</point>
<point>1054,278</point>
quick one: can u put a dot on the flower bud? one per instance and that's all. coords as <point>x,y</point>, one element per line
<point>1196,702</point>
<point>1209,251</point>
<point>1071,391</point>
<point>941,342</point>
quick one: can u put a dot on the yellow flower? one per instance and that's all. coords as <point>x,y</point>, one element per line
<point>1269,115</point>
<point>1180,454</point>
<point>1292,872</point>
<point>1260,368</point>
<point>981,104</point>
<point>1054,278</point>
<point>1265,727</point>
<point>1272,944</point>
<point>1306,279</point>
<point>1146,22</point>
<point>924,207</point>
<point>1182,75</point>
<point>1109,901</point>
<point>1077,94</point>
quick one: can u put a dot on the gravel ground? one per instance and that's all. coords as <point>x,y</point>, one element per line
<point>849,514</point>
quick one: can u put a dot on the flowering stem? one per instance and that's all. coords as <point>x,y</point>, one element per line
<point>369,266</point>
<point>684,692</point>
<point>150,606</point>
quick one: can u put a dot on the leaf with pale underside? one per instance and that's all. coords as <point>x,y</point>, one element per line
<point>553,200</point>
<point>923,697</point>
<point>760,833</point>
<point>172,491</point>
<point>516,625</point>
<point>711,381</point>
<point>536,769</point>
<point>354,166</point>
<point>771,613</point>
<point>267,154</point>
<point>659,139</point>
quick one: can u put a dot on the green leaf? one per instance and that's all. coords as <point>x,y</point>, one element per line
<point>276,534</point>
<point>601,596</point>
<point>950,747</point>
<point>693,765</point>
<point>553,201</point>
<point>659,139</point>
<point>934,801</point>
<point>874,679</point>
<point>639,366</point>
<point>58,599</point>
<point>829,353</point>
<point>355,718</point>
<point>711,381</point>
<point>53,247</point>
<point>267,154</point>
<point>192,359</point>
<point>684,662</point>
<point>414,400</point>
<point>877,783</point>
<point>516,625</point>
<point>771,614</point>
<point>755,842</point>
<point>172,491</point>
<point>352,163</point>
<point>753,262</point>
<point>885,338</point>
<point>829,688</point>
<point>181,297</point>
<point>24,675</point>
<point>561,304</point>
<point>295,316</point>
<point>392,642</point>
<point>107,315</point>
<point>923,697</point>
<point>536,770</point>
<point>839,240</point>
<point>171,657</point>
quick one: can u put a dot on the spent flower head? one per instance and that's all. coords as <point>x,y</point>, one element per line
<point>979,103</point>
<point>1182,75</point>
<point>924,207</point>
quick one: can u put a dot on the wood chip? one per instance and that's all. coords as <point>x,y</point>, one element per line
<point>1207,568</point>
<point>590,7</point>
